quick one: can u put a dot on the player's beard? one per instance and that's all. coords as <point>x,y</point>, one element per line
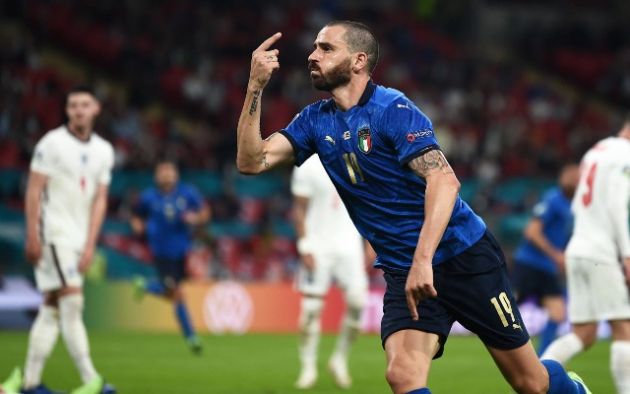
<point>337,76</point>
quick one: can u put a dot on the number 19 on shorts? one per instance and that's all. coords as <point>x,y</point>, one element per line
<point>503,306</point>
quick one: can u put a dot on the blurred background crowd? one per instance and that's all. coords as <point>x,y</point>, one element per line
<point>514,89</point>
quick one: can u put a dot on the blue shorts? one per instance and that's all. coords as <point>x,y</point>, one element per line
<point>530,282</point>
<point>170,271</point>
<point>473,288</point>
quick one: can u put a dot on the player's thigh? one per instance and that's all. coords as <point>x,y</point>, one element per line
<point>172,271</point>
<point>597,291</point>
<point>316,282</point>
<point>620,330</point>
<point>58,268</point>
<point>530,282</point>
<point>525,282</point>
<point>581,306</point>
<point>409,354</point>
<point>521,368</point>
<point>475,288</point>
<point>610,291</point>
<point>433,316</point>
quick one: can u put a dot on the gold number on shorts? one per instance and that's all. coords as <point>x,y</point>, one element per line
<point>353,167</point>
<point>504,302</point>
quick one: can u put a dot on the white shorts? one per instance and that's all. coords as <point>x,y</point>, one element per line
<point>347,269</point>
<point>597,290</point>
<point>58,268</point>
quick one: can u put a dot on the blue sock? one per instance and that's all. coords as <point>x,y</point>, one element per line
<point>424,390</point>
<point>184,321</point>
<point>547,335</point>
<point>156,287</point>
<point>559,381</point>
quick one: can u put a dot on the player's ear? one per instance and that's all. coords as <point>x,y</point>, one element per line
<point>97,107</point>
<point>360,62</point>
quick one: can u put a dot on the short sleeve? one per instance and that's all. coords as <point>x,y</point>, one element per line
<point>408,129</point>
<point>195,198</point>
<point>105,177</point>
<point>298,132</point>
<point>301,183</point>
<point>541,210</point>
<point>44,158</point>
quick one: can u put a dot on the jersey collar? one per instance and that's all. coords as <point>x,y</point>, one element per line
<point>367,93</point>
<point>365,97</point>
<point>76,137</point>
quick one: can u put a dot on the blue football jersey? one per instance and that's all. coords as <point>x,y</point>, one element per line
<point>365,151</point>
<point>554,211</point>
<point>168,235</point>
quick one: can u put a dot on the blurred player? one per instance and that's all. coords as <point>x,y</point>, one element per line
<point>166,214</point>
<point>330,247</point>
<point>439,261</point>
<point>539,260</point>
<point>66,202</point>
<point>597,279</point>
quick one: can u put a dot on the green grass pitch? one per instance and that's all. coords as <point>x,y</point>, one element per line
<point>139,363</point>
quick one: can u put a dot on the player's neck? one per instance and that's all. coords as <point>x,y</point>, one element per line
<point>348,96</point>
<point>82,133</point>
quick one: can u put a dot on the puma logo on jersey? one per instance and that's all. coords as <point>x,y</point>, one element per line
<point>330,139</point>
<point>403,106</point>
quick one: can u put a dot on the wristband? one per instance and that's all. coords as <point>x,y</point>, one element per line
<point>305,246</point>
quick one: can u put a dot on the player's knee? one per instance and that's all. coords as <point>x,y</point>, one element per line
<point>51,299</point>
<point>71,306</point>
<point>524,384</point>
<point>588,337</point>
<point>557,314</point>
<point>175,294</point>
<point>404,373</point>
<point>310,312</point>
<point>357,299</point>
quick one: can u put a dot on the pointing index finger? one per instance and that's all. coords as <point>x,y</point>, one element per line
<point>269,42</point>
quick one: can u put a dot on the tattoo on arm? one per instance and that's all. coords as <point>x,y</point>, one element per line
<point>254,106</point>
<point>429,162</point>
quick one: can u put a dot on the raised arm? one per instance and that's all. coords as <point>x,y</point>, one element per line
<point>440,196</point>
<point>255,155</point>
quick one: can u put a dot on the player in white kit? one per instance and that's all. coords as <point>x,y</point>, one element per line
<point>66,202</point>
<point>330,248</point>
<point>598,257</point>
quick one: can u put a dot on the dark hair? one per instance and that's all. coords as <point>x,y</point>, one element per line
<point>164,159</point>
<point>360,38</point>
<point>81,89</point>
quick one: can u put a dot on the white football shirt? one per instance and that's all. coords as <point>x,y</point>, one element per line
<point>328,225</point>
<point>74,169</point>
<point>600,204</point>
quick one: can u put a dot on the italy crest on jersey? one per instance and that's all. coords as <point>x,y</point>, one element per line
<point>365,140</point>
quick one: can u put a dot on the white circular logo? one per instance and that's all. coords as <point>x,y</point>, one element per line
<point>228,307</point>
